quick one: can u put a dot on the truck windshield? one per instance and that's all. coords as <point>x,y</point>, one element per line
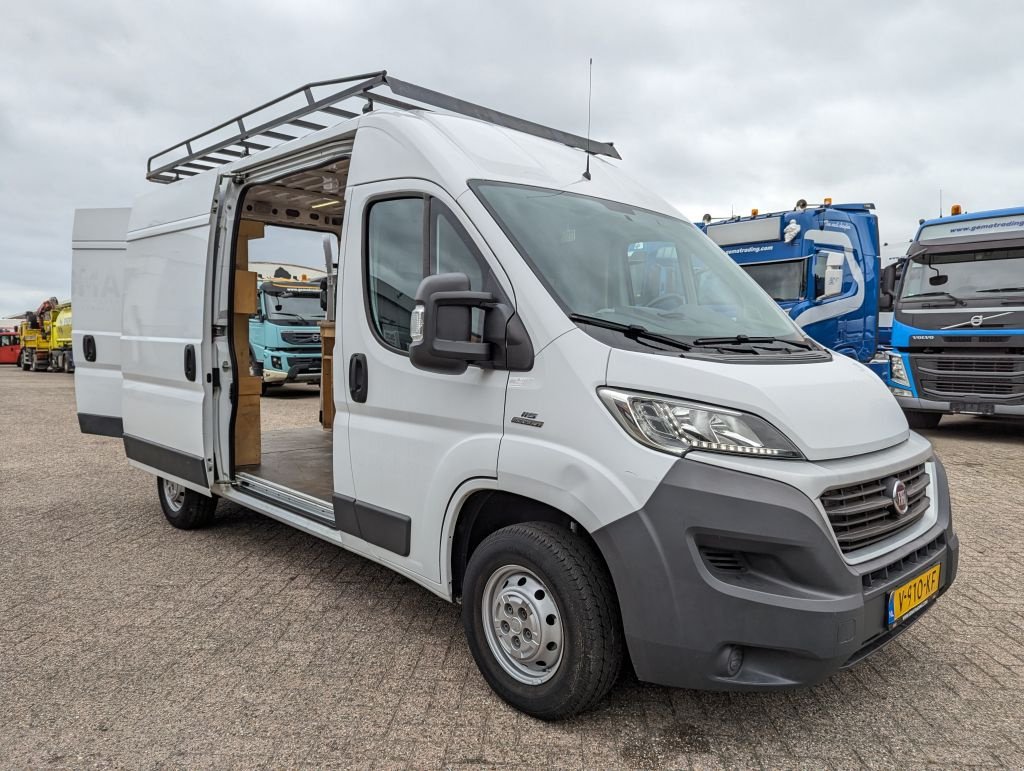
<point>964,275</point>
<point>293,308</point>
<point>783,281</point>
<point>599,258</point>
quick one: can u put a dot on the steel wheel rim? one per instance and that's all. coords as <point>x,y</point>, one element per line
<point>174,494</point>
<point>523,624</point>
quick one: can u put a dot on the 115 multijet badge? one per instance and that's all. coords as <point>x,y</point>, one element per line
<point>528,419</point>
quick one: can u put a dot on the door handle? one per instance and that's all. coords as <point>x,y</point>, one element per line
<point>89,347</point>
<point>357,377</point>
<point>190,363</point>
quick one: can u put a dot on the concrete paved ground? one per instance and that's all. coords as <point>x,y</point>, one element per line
<point>124,642</point>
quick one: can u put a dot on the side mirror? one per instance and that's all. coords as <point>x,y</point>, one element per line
<point>323,291</point>
<point>887,289</point>
<point>442,323</point>
<point>833,283</point>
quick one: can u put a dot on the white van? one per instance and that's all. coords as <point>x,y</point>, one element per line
<point>596,460</point>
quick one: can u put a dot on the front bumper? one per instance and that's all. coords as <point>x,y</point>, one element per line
<point>913,403</point>
<point>796,610</point>
<point>300,369</point>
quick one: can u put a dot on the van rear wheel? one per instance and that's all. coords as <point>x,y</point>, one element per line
<point>185,509</point>
<point>542,620</point>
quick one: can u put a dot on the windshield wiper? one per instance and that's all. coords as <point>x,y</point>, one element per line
<point>952,297</point>
<point>745,340</point>
<point>303,319</point>
<point>631,331</point>
<point>1003,289</point>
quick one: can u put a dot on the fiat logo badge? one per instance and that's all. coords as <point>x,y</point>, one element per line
<point>898,492</point>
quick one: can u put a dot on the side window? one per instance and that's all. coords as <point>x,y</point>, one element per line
<point>399,258</point>
<point>395,256</point>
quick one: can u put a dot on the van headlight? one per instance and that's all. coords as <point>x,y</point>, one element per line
<point>897,372</point>
<point>676,427</point>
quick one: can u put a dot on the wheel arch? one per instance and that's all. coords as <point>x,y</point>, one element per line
<point>483,508</point>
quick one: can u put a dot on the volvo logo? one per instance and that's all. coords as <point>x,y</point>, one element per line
<point>978,319</point>
<point>316,338</point>
<point>896,490</point>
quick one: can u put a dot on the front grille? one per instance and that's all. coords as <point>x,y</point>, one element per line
<point>863,514</point>
<point>905,565</point>
<point>313,362</point>
<point>301,338</point>
<point>969,378</point>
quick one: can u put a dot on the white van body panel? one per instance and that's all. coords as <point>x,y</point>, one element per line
<point>828,410</point>
<point>97,282</point>
<point>166,308</point>
<point>580,461</point>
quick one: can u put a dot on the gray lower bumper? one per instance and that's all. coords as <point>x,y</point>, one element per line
<point>928,405</point>
<point>797,611</point>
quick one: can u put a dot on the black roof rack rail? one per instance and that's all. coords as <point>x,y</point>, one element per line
<point>244,134</point>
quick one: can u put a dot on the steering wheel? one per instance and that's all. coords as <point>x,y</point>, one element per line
<point>659,302</point>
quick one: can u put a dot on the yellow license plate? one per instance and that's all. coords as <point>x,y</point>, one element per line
<point>913,594</point>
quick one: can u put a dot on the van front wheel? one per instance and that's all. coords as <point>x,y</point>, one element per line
<point>185,509</point>
<point>542,620</point>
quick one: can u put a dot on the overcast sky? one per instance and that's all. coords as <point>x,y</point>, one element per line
<point>718,106</point>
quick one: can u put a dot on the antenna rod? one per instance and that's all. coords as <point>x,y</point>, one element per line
<point>590,93</point>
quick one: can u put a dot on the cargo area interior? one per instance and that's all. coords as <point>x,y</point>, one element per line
<point>295,460</point>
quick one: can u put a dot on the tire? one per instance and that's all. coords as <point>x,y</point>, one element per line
<point>26,364</point>
<point>560,582</point>
<point>185,509</point>
<point>257,371</point>
<point>916,419</point>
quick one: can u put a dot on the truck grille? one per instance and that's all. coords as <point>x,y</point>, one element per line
<point>301,338</point>
<point>863,514</point>
<point>969,378</point>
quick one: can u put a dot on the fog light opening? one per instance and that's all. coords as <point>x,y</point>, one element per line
<point>732,660</point>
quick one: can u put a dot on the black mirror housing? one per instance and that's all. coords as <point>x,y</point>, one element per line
<point>887,289</point>
<point>442,327</point>
<point>442,323</point>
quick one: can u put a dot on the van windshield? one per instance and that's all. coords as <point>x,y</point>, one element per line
<point>632,266</point>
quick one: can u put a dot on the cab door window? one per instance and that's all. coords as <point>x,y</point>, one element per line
<point>408,239</point>
<point>395,257</point>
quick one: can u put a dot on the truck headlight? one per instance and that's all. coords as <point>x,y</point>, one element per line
<point>897,372</point>
<point>676,427</point>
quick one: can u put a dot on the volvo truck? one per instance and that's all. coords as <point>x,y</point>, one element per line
<point>683,479</point>
<point>821,264</point>
<point>958,329</point>
<point>284,333</point>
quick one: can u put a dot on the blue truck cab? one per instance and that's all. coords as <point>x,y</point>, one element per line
<point>284,335</point>
<point>821,264</point>
<point>958,321</point>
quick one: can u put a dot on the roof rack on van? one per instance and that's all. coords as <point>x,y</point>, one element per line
<point>235,138</point>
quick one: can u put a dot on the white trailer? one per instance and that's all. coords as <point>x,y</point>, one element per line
<point>593,469</point>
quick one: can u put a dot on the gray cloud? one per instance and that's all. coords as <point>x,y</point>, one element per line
<point>716,106</point>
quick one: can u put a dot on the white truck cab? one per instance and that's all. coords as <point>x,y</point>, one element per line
<point>595,459</point>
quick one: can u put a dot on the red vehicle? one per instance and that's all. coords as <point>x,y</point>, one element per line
<point>10,346</point>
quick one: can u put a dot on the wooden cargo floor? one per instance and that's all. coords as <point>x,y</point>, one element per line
<point>299,459</point>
